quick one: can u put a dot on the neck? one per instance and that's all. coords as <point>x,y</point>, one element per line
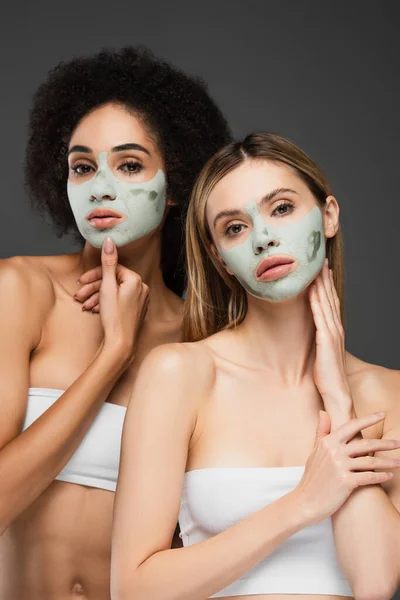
<point>281,336</point>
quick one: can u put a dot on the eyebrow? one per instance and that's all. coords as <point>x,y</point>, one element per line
<point>121,148</point>
<point>264,200</point>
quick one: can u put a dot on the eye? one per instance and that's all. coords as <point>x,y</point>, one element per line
<point>234,229</point>
<point>131,167</point>
<point>82,169</point>
<point>283,209</point>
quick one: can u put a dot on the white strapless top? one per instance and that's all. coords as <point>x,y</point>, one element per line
<point>95,463</point>
<point>214,499</point>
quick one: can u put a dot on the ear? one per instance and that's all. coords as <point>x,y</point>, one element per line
<point>220,260</point>
<point>331,217</point>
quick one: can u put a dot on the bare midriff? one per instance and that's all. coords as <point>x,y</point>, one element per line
<point>60,547</point>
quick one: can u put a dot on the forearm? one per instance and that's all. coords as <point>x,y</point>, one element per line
<point>366,531</point>
<point>30,462</point>
<point>198,571</point>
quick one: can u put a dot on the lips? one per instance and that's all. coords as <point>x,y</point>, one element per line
<point>104,218</point>
<point>274,267</point>
<point>104,212</point>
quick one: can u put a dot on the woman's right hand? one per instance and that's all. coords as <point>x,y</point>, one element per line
<point>339,463</point>
<point>123,302</point>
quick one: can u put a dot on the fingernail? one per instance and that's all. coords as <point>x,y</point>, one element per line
<point>390,475</point>
<point>108,246</point>
<point>380,414</point>
<point>83,307</point>
<point>78,281</point>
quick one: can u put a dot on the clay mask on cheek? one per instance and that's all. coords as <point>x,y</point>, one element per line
<point>142,204</point>
<point>303,241</point>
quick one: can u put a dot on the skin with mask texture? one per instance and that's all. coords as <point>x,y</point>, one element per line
<point>251,396</point>
<point>140,204</point>
<point>58,542</point>
<point>300,241</point>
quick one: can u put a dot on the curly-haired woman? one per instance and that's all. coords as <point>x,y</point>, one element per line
<point>116,142</point>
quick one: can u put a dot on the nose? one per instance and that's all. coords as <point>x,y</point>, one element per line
<point>263,239</point>
<point>102,188</point>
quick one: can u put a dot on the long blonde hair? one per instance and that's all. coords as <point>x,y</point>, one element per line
<point>215,300</point>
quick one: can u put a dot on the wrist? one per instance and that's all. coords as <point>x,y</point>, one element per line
<point>339,406</point>
<point>340,415</point>
<point>117,352</point>
<point>302,510</point>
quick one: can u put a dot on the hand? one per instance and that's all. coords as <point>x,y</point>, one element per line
<point>89,293</point>
<point>123,302</point>
<point>330,374</point>
<point>339,463</point>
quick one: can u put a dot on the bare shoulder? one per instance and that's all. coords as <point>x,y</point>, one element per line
<point>25,273</point>
<point>172,383</point>
<point>188,364</point>
<point>374,387</point>
<point>27,289</point>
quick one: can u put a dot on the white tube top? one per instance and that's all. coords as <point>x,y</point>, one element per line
<point>95,463</point>
<point>214,499</point>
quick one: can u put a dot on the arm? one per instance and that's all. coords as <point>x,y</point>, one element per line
<point>367,527</point>
<point>30,461</point>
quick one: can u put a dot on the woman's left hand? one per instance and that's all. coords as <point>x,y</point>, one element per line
<point>330,374</point>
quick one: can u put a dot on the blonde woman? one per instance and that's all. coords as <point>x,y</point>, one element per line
<point>276,448</point>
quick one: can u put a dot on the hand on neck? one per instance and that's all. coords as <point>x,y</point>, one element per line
<point>143,256</point>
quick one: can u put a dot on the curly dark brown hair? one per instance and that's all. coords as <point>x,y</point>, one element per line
<point>177,109</point>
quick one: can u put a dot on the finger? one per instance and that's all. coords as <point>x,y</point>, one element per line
<point>349,429</point>
<point>323,426</point>
<point>370,478</point>
<point>109,261</point>
<point>91,302</point>
<point>87,290</point>
<point>335,294</point>
<point>362,447</point>
<point>369,463</point>
<point>318,315</point>
<point>90,276</point>
<point>336,302</point>
<point>96,309</point>
<point>124,274</point>
<point>325,302</point>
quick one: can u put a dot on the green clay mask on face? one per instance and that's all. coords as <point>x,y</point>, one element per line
<point>141,204</point>
<point>303,241</point>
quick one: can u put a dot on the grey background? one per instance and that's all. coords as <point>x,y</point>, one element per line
<point>323,73</point>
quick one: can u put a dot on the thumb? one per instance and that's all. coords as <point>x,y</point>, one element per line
<point>109,259</point>
<point>323,427</point>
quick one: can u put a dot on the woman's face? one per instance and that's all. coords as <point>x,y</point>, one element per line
<point>268,229</point>
<point>116,182</point>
